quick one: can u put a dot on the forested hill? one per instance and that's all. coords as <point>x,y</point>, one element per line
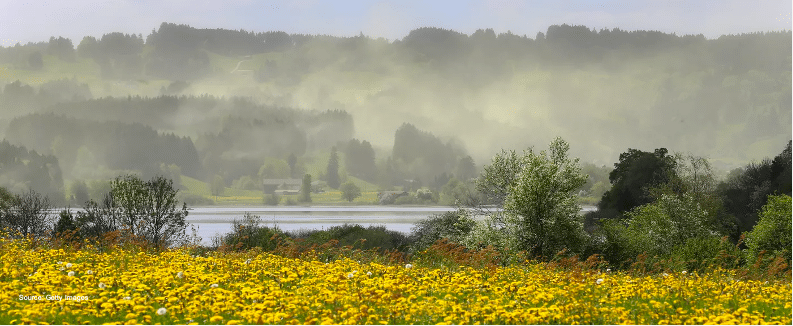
<point>607,90</point>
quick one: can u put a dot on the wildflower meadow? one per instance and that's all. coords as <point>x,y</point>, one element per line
<point>129,285</point>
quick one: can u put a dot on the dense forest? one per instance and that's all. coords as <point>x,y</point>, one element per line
<point>422,112</point>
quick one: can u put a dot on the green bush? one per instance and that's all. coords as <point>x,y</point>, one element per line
<point>247,233</point>
<point>656,228</point>
<point>707,252</point>
<point>271,199</point>
<point>356,236</point>
<point>772,233</point>
<point>450,225</point>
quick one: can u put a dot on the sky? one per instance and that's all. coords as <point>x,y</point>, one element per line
<point>35,21</point>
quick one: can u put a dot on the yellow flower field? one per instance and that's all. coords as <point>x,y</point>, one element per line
<point>129,287</point>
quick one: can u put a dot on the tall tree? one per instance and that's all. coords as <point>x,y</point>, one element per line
<point>332,174</point>
<point>217,185</point>
<point>292,161</point>
<point>149,209</point>
<point>305,190</point>
<point>466,169</point>
<point>544,200</point>
<point>540,211</point>
<point>632,177</point>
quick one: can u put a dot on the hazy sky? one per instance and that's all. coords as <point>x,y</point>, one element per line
<point>25,21</point>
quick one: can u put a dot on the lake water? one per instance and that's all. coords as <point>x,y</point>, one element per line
<point>212,221</point>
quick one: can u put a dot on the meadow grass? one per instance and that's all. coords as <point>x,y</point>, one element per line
<point>233,196</point>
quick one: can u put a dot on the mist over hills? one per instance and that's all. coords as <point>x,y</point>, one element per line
<point>241,96</point>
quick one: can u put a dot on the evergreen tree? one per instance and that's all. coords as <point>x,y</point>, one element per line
<point>332,173</point>
<point>292,161</point>
<point>305,191</point>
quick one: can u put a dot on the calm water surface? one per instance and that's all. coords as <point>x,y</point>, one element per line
<point>213,221</point>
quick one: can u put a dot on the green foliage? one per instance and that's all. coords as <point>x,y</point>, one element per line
<point>271,199</point>
<point>454,226</point>
<point>360,159</point>
<point>497,179</point>
<point>292,162</point>
<point>540,212</point>
<point>274,168</point>
<point>633,175</point>
<point>747,189</point>
<point>773,232</point>
<point>305,189</point>
<point>657,228</point>
<point>97,189</point>
<point>149,209</point>
<point>598,181</point>
<point>706,252</point>
<point>466,168</point>
<point>350,191</point>
<point>245,182</point>
<point>332,174</point>
<point>420,155</point>
<point>6,199</point>
<point>248,233</point>
<point>356,236</point>
<point>217,186</point>
<point>66,223</point>
<point>23,169</point>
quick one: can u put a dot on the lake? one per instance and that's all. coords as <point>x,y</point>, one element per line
<point>212,221</point>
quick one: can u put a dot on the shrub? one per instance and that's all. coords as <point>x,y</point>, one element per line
<point>773,232</point>
<point>247,233</point>
<point>271,199</point>
<point>350,191</point>
<point>450,225</point>
<point>356,236</point>
<point>26,214</point>
<point>707,252</point>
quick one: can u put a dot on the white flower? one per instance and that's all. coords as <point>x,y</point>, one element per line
<point>665,274</point>
<point>180,275</point>
<point>368,273</point>
<point>684,272</point>
<point>102,285</point>
<point>89,272</point>
<point>247,261</point>
<point>60,262</point>
<point>408,266</point>
<point>71,273</point>
<point>68,265</point>
<point>608,270</point>
<point>61,269</point>
<point>161,311</point>
<point>600,280</point>
<point>214,285</point>
<point>350,275</point>
<point>127,298</point>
